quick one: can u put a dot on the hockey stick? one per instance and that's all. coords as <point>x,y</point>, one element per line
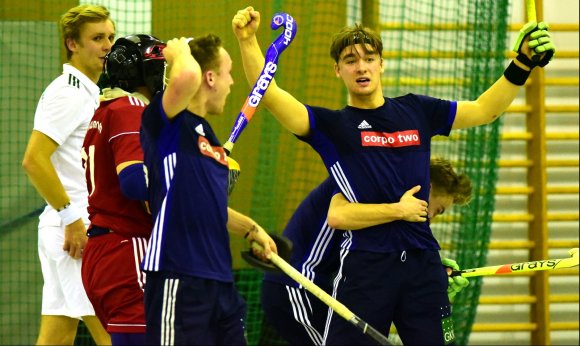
<point>263,81</point>
<point>522,267</point>
<point>331,302</point>
<point>259,88</point>
<point>531,14</point>
<point>531,10</point>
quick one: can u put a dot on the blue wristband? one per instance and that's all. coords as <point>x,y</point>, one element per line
<point>133,184</point>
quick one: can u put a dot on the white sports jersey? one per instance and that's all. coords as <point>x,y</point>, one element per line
<point>63,114</point>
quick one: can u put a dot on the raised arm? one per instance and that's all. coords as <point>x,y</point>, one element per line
<point>286,109</point>
<point>184,76</point>
<point>533,39</point>
<point>343,214</point>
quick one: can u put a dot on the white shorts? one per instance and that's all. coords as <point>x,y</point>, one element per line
<point>63,293</point>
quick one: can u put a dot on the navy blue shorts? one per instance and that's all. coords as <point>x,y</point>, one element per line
<point>408,289</point>
<point>297,315</point>
<point>184,310</point>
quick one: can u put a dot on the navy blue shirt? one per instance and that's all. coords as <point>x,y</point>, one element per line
<point>376,155</point>
<point>314,243</point>
<point>188,174</point>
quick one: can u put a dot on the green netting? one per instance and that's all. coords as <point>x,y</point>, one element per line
<point>452,49</point>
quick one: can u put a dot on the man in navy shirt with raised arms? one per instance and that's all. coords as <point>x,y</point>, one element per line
<point>376,148</point>
<point>190,296</point>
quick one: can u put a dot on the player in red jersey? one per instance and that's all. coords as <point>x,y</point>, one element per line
<point>113,161</point>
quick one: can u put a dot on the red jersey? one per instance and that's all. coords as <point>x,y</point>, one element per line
<point>113,138</point>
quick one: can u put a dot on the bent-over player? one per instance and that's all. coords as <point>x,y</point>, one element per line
<point>297,315</point>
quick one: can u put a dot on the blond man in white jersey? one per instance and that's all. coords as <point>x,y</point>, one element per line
<point>53,163</point>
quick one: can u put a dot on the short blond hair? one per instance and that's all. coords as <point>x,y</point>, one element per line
<point>72,21</point>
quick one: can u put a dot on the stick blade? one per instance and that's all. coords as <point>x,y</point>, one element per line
<point>233,174</point>
<point>574,253</point>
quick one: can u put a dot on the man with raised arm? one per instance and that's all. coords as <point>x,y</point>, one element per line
<point>189,294</point>
<point>375,149</point>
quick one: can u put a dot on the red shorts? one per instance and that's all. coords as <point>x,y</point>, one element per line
<point>114,282</point>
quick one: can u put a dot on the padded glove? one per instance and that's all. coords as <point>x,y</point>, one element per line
<point>456,283</point>
<point>540,42</point>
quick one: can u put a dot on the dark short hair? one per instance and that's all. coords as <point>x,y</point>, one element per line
<point>206,50</point>
<point>352,35</point>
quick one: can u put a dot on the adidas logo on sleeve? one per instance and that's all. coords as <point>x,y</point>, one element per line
<point>199,130</point>
<point>364,125</point>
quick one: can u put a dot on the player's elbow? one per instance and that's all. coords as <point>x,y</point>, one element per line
<point>485,119</point>
<point>335,219</point>
<point>337,212</point>
<point>186,83</point>
<point>26,164</point>
<point>492,117</point>
<point>485,112</point>
<point>474,113</point>
<point>133,182</point>
<point>30,163</point>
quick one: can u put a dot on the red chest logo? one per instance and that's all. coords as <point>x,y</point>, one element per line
<point>216,153</point>
<point>391,140</point>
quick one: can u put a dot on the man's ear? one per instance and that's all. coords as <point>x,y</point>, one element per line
<point>71,44</point>
<point>336,70</point>
<point>210,78</point>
